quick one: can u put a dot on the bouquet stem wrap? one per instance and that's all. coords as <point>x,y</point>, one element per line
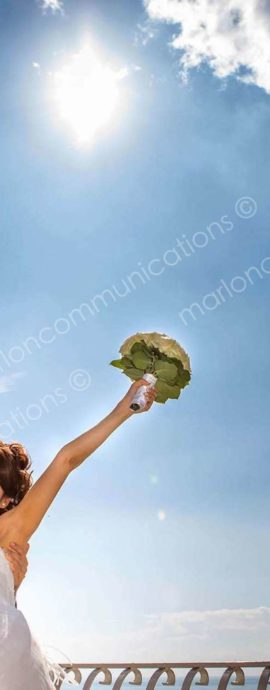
<point>139,399</point>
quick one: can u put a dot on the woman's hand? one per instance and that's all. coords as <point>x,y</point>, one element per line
<point>150,394</point>
<point>16,556</point>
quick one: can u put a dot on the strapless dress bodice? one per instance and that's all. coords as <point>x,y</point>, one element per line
<point>23,665</point>
<point>7,593</point>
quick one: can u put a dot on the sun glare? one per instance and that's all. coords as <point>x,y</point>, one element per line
<point>86,94</point>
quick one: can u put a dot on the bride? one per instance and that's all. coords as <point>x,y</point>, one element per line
<point>22,507</point>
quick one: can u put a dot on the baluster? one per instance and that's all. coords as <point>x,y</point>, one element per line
<point>204,677</point>
<point>240,677</point>
<point>100,669</point>
<point>264,678</point>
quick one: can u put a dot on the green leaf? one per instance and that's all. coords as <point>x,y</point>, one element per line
<point>166,371</point>
<point>177,363</point>
<point>183,378</point>
<point>137,347</point>
<point>141,360</point>
<point>121,363</point>
<point>160,398</point>
<point>166,390</point>
<point>133,373</point>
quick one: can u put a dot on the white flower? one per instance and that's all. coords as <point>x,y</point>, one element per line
<point>162,342</point>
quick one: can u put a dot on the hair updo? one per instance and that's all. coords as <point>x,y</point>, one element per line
<point>15,477</point>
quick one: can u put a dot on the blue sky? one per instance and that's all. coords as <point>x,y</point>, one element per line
<point>156,547</point>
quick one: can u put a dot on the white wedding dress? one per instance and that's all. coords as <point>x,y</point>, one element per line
<point>23,666</point>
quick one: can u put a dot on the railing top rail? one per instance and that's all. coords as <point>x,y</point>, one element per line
<point>166,664</point>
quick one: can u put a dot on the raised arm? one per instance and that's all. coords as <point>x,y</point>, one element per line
<point>24,519</point>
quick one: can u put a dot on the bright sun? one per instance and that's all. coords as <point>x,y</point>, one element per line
<point>86,94</point>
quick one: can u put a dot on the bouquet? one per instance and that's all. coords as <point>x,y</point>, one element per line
<point>157,358</point>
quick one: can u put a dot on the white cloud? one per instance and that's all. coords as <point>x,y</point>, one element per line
<point>145,33</point>
<point>123,73</point>
<point>218,635</point>
<point>54,5</point>
<point>7,382</point>
<point>231,36</point>
<point>204,623</point>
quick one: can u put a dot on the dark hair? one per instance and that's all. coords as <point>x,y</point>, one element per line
<point>15,478</point>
